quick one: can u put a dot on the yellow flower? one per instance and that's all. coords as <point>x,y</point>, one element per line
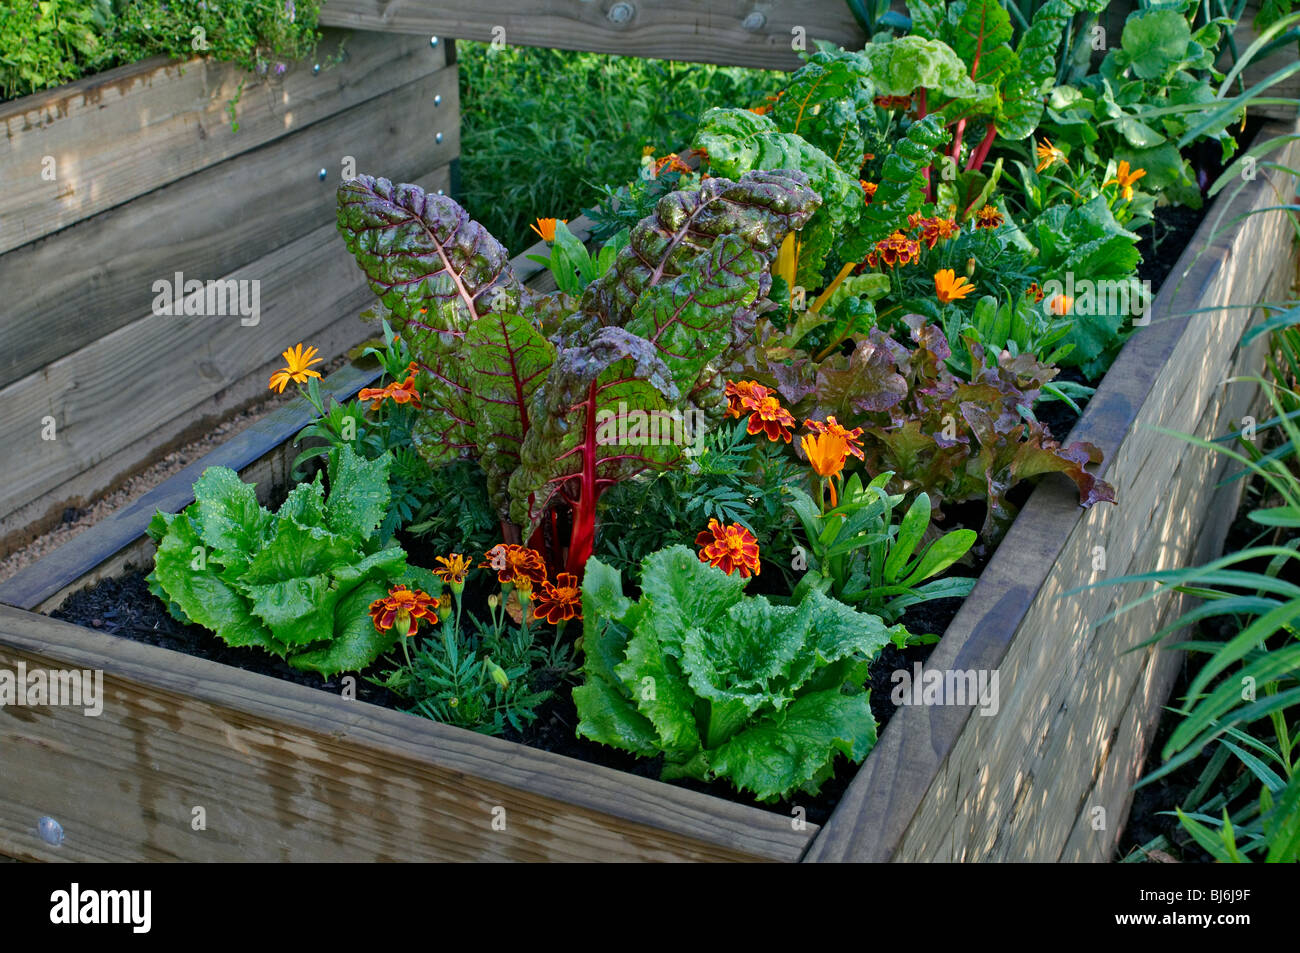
<point>1060,304</point>
<point>1049,154</point>
<point>988,217</point>
<point>453,570</point>
<point>949,287</point>
<point>545,228</point>
<point>1125,179</point>
<point>297,363</point>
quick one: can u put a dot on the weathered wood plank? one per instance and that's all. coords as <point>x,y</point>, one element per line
<point>105,548</point>
<point>286,772</point>
<point>130,393</point>
<point>705,31</point>
<point>122,134</point>
<point>210,223</point>
<point>943,782</point>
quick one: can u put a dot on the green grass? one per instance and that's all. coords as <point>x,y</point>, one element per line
<point>542,130</point>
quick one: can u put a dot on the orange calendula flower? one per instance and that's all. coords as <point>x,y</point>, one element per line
<point>399,392</point>
<point>297,364</point>
<point>826,454</point>
<point>1049,155</point>
<point>560,602</point>
<point>988,217</point>
<point>1035,292</point>
<point>1060,304</point>
<point>516,564</point>
<point>545,228</point>
<point>852,438</point>
<point>453,570</point>
<point>1125,179</point>
<point>948,287</point>
<point>738,391</point>
<point>731,548</point>
<point>868,190</point>
<point>766,415</point>
<point>403,608</point>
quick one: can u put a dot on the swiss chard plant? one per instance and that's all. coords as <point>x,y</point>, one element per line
<point>555,397</point>
<point>296,583</point>
<point>723,684</point>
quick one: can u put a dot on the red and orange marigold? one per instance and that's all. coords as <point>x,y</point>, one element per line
<point>560,602</point>
<point>519,565</point>
<point>852,438</point>
<point>731,548</point>
<point>399,392</point>
<point>767,416</point>
<point>403,608</point>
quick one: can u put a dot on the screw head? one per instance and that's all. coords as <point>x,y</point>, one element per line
<point>437,99</point>
<point>433,41</point>
<point>51,831</point>
<point>620,13</point>
<point>323,174</point>
<point>438,137</point>
<point>754,21</point>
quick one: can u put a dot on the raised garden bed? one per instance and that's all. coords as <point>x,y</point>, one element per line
<point>131,177</point>
<point>285,771</point>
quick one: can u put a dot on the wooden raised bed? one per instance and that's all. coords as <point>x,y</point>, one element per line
<point>126,178</point>
<point>290,773</point>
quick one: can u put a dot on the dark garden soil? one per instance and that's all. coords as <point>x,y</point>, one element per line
<point>125,607</point>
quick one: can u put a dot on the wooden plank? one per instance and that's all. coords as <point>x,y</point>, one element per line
<point>705,31</point>
<point>286,772</point>
<point>82,560</point>
<point>127,396</point>
<point>121,134</point>
<point>210,223</point>
<point>942,782</point>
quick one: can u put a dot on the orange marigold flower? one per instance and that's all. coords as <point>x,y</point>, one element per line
<point>760,110</point>
<point>400,392</point>
<point>1060,304</point>
<point>516,564</point>
<point>852,438</point>
<point>545,228</point>
<point>297,363</point>
<point>868,190</point>
<point>897,249</point>
<point>403,608</point>
<point>1048,155</point>
<point>948,287</point>
<point>560,602</point>
<point>731,548</point>
<point>1125,179</point>
<point>1035,292</point>
<point>453,570</point>
<point>988,217</point>
<point>766,415</point>
<point>738,391</point>
<point>673,162</point>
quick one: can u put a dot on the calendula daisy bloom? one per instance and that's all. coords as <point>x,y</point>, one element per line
<point>948,287</point>
<point>560,602</point>
<point>519,565</point>
<point>767,416</point>
<point>453,570</point>
<point>1125,179</point>
<point>1061,304</point>
<point>545,228</point>
<point>297,364</point>
<point>399,392</point>
<point>731,548</point>
<point>1035,292</point>
<point>736,393</point>
<point>1048,155</point>
<point>988,217</point>
<point>403,608</point>
<point>852,438</point>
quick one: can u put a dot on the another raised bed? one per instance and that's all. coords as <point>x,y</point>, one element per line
<point>288,772</point>
<point>123,179</point>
